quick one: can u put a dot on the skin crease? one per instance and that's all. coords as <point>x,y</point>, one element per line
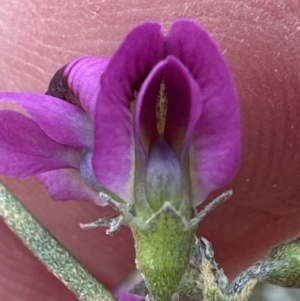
<point>260,41</point>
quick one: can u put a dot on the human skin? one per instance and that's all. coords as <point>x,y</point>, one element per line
<point>260,41</point>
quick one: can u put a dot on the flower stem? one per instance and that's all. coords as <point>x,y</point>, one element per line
<point>49,251</point>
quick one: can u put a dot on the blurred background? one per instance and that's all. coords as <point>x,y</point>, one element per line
<point>268,292</point>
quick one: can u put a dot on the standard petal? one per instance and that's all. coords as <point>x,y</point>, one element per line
<point>78,82</point>
<point>68,184</point>
<point>113,158</point>
<point>25,150</point>
<point>217,139</point>
<point>61,121</point>
<point>141,50</point>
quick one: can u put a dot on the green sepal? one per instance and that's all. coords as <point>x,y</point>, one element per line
<point>282,267</point>
<point>163,245</point>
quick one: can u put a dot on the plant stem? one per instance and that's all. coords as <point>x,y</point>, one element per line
<point>49,251</point>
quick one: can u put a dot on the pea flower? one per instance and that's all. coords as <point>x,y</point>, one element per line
<point>157,128</point>
<point>109,128</point>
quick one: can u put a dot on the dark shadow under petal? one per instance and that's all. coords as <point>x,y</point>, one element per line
<point>59,88</point>
<point>78,82</point>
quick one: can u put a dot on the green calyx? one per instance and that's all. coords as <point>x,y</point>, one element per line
<point>163,244</point>
<point>282,267</point>
<point>164,241</point>
<point>162,231</point>
<point>177,266</point>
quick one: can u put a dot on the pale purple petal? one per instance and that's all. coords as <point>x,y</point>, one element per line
<point>25,150</point>
<point>164,176</point>
<point>123,295</point>
<point>61,121</point>
<point>217,139</point>
<point>114,148</point>
<point>121,292</point>
<point>68,184</point>
<point>78,82</point>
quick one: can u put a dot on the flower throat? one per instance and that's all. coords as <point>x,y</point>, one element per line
<point>161,107</point>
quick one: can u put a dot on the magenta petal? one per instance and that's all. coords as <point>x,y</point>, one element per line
<point>68,184</point>
<point>79,82</point>
<point>141,50</point>
<point>25,149</point>
<point>113,157</point>
<point>63,122</point>
<point>217,140</point>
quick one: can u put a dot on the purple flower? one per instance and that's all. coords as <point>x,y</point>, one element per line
<point>160,120</point>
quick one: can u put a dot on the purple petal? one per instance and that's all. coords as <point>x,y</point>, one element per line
<point>183,109</point>
<point>184,104</point>
<point>61,121</point>
<point>122,294</point>
<point>68,184</point>
<point>141,50</point>
<point>145,128</point>
<point>78,82</point>
<point>114,150</point>
<point>25,150</point>
<point>217,140</point>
